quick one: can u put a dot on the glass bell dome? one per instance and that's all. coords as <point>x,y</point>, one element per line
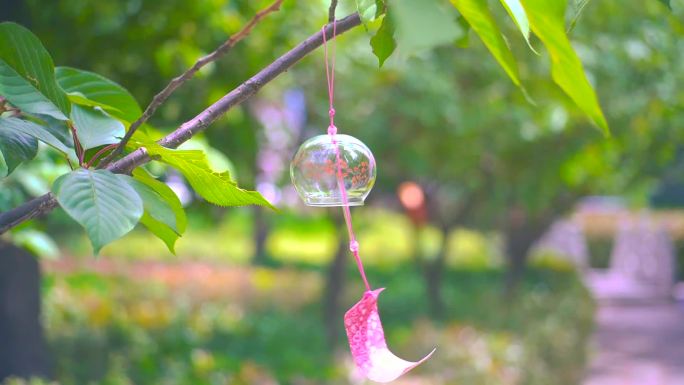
<point>314,171</point>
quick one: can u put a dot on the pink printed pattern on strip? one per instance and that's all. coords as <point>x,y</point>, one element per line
<point>367,342</point>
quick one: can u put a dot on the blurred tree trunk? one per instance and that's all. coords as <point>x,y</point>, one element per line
<point>261,229</point>
<point>446,217</point>
<point>434,276</point>
<point>519,239</point>
<point>23,350</point>
<point>334,290</point>
<point>521,231</point>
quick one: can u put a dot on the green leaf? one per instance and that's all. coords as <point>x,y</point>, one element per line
<point>4,170</point>
<point>24,95</point>
<point>91,89</point>
<point>167,195</point>
<point>422,25</point>
<point>215,187</point>
<point>35,130</point>
<point>15,147</point>
<point>80,99</point>
<point>367,9</point>
<point>105,205</point>
<point>517,13</point>
<point>161,231</point>
<point>218,161</point>
<point>159,216</point>
<point>383,43</point>
<point>59,129</point>
<point>380,8</point>
<point>22,53</point>
<point>153,203</point>
<point>667,3</point>
<point>547,19</point>
<point>481,20</point>
<point>95,127</point>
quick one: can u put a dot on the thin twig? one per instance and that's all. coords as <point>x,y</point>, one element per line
<point>77,144</point>
<point>46,203</point>
<point>71,166</point>
<point>98,154</point>
<point>161,97</point>
<point>331,11</point>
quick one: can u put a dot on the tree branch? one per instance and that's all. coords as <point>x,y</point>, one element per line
<point>29,210</point>
<point>331,11</point>
<point>46,203</point>
<point>161,97</point>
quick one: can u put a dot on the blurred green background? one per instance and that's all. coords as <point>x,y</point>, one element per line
<point>257,297</point>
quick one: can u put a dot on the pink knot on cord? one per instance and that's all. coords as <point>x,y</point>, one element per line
<point>332,130</point>
<point>331,112</point>
<point>354,246</point>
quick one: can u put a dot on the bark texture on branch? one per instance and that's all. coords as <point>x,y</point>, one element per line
<point>331,11</point>
<point>46,203</point>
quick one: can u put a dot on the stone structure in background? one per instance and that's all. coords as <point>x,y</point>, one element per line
<point>643,255</point>
<point>565,238</point>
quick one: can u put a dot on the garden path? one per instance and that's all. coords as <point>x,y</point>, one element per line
<point>636,342</point>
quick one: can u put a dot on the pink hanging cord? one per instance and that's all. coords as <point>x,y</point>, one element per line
<point>332,131</point>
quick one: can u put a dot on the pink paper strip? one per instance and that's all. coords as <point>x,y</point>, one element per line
<point>367,342</point>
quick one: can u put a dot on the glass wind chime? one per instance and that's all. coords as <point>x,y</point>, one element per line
<point>339,170</point>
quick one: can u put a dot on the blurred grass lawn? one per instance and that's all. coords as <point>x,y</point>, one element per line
<point>386,239</point>
<point>205,317</point>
